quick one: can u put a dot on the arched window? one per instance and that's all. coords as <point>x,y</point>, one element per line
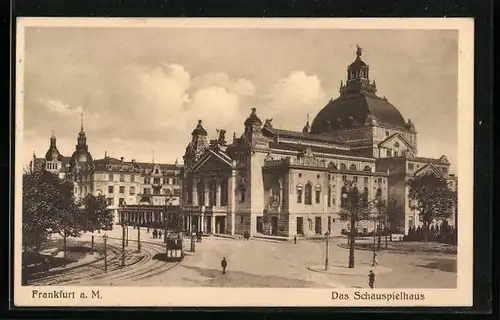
<point>318,194</point>
<point>379,193</point>
<point>329,196</point>
<point>343,201</point>
<point>223,192</point>
<point>201,193</point>
<point>342,166</point>
<point>367,168</point>
<point>308,194</point>
<point>365,197</point>
<point>332,165</point>
<point>189,192</point>
<point>353,167</point>
<point>212,193</point>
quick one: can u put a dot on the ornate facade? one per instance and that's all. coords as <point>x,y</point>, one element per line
<point>278,182</point>
<point>145,191</point>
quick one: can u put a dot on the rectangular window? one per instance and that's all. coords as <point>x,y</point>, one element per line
<point>110,177</point>
<point>147,180</point>
<point>132,178</point>
<point>156,191</point>
<point>147,191</point>
<point>355,178</point>
<point>365,179</point>
<point>110,201</point>
<point>132,190</point>
<point>333,200</point>
<point>85,189</point>
<point>122,189</point>
<point>410,166</point>
<point>344,178</point>
<point>389,153</point>
<point>177,192</point>
<point>156,181</point>
<point>121,202</point>
<point>110,189</point>
<point>299,196</point>
<point>122,177</point>
<point>318,196</point>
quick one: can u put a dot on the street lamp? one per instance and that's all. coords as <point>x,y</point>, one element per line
<point>105,238</point>
<point>327,235</point>
<point>138,237</point>
<point>123,236</point>
<point>351,197</point>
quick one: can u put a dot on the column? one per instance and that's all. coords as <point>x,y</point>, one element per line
<point>232,197</point>
<point>217,193</point>
<point>195,192</point>
<point>205,192</point>
<point>202,223</point>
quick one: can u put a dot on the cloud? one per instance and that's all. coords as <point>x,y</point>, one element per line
<point>292,98</point>
<point>57,106</point>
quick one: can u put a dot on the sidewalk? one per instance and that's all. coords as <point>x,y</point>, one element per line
<point>117,233</point>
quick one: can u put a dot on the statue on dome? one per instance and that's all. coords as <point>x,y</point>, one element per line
<point>358,51</point>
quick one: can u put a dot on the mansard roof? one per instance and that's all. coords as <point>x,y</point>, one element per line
<point>301,135</point>
<point>112,164</point>
<point>314,149</point>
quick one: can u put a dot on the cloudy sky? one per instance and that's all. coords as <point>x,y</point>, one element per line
<point>143,89</point>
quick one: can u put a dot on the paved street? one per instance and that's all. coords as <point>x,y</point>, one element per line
<point>256,263</point>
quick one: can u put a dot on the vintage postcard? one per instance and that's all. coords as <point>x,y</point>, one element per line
<point>244,162</point>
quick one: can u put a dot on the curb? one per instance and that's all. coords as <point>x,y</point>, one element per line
<point>344,271</point>
<point>346,247</point>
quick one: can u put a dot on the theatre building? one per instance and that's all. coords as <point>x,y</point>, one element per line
<point>279,182</point>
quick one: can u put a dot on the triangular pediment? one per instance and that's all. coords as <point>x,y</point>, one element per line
<point>429,169</point>
<point>213,161</point>
<point>396,141</point>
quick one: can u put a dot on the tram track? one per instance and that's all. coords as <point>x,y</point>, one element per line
<point>138,266</point>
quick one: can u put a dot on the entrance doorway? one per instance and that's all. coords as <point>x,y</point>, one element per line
<point>274,226</point>
<point>317,225</point>
<point>260,225</point>
<point>300,226</point>
<point>208,227</point>
<point>220,223</point>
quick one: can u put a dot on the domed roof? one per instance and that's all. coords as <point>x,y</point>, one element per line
<point>53,154</point>
<point>353,110</point>
<point>253,119</point>
<point>199,130</point>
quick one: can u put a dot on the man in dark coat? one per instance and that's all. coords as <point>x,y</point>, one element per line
<point>371,279</point>
<point>223,264</point>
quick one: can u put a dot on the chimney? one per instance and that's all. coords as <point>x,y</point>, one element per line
<point>133,160</point>
<point>105,154</point>
<point>122,158</point>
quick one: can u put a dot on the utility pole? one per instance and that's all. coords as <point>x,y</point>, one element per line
<point>138,238</point>
<point>105,237</point>
<point>327,251</point>
<point>123,244</point>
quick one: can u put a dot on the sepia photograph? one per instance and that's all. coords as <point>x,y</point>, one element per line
<point>188,162</point>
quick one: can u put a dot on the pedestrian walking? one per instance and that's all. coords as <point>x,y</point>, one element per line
<point>223,264</point>
<point>295,239</point>
<point>155,234</point>
<point>375,259</point>
<point>159,234</point>
<point>371,279</point>
<point>46,265</point>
